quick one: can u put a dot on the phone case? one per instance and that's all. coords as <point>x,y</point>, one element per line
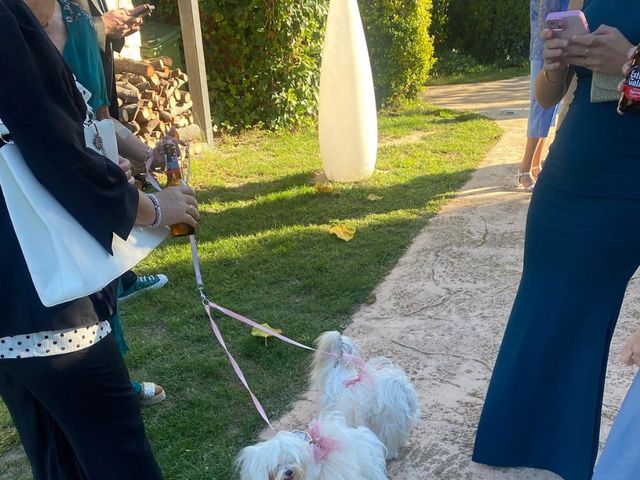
<point>567,24</point>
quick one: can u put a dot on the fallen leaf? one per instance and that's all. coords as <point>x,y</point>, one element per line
<point>343,232</point>
<point>259,333</point>
<point>373,197</point>
<point>324,186</point>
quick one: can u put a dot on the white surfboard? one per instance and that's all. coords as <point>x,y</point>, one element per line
<point>347,124</point>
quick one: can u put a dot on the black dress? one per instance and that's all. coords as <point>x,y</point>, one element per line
<point>76,413</point>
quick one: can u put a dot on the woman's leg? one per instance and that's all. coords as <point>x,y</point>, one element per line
<point>525,175</point>
<point>47,448</point>
<point>543,405</point>
<point>89,396</point>
<point>536,161</point>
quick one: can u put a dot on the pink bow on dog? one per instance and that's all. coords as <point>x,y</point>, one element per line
<point>322,446</point>
<point>362,375</point>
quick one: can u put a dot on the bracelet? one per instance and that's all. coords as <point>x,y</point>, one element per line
<point>156,207</point>
<point>561,82</point>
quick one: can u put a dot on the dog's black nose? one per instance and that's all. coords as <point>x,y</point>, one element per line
<point>288,474</point>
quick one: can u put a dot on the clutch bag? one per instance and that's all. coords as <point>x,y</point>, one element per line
<point>604,88</point>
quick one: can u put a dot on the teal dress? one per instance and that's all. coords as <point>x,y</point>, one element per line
<point>82,53</point>
<point>544,403</point>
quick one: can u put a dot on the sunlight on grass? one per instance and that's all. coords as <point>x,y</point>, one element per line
<point>267,253</point>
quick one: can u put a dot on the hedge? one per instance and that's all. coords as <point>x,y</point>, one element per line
<point>400,47</point>
<point>263,56</point>
<point>492,31</point>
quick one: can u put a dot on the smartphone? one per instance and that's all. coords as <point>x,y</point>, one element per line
<point>143,10</point>
<point>567,24</point>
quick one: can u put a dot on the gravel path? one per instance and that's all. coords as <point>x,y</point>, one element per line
<point>441,312</point>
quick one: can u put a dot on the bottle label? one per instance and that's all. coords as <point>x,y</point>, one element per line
<point>631,88</point>
<point>171,158</point>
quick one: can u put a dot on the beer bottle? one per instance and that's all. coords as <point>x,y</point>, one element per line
<point>630,98</point>
<point>174,179</point>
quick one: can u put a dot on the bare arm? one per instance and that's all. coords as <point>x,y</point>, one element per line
<point>556,75</point>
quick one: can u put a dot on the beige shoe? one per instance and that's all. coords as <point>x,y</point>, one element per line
<point>151,394</point>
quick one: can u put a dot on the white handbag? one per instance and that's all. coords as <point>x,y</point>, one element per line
<point>65,261</point>
<point>99,135</point>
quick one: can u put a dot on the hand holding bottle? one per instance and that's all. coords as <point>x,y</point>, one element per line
<point>178,206</point>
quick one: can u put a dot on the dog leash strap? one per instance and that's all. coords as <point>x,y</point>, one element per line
<point>237,369</point>
<point>262,328</point>
<point>216,331</point>
<point>196,263</point>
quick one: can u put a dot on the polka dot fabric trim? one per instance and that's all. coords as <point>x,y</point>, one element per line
<point>45,344</point>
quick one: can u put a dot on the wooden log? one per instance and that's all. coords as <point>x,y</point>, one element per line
<point>177,73</point>
<point>130,86</point>
<point>164,74</point>
<point>180,109</point>
<point>158,63</point>
<point>165,116</point>
<point>154,80</point>
<point>132,66</point>
<point>143,86</point>
<point>186,97</point>
<point>150,95</point>
<point>162,127</point>
<point>133,126</point>
<point>144,115</point>
<point>133,78</point>
<point>149,127</point>
<point>190,133</point>
<point>129,112</point>
<point>127,95</point>
<point>168,61</point>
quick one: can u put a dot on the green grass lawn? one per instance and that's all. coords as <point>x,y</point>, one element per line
<point>480,74</point>
<point>454,67</point>
<point>267,253</point>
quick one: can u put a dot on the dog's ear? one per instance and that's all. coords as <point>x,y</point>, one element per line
<point>328,342</point>
<point>250,462</point>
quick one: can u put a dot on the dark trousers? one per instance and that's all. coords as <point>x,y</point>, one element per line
<point>78,416</point>
<point>544,402</point>
<point>128,279</point>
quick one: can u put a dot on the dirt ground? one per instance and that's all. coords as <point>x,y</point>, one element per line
<point>442,310</point>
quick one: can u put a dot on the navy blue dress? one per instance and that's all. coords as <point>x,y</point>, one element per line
<point>582,245</point>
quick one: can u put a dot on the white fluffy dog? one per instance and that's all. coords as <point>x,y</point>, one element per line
<point>375,394</point>
<point>329,450</point>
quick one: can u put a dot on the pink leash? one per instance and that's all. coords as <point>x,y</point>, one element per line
<point>208,305</point>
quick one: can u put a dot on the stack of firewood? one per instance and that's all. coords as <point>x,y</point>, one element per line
<point>151,101</point>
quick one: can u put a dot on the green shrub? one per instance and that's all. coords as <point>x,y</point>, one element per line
<point>263,56</point>
<point>400,48</point>
<point>491,31</point>
<point>262,59</point>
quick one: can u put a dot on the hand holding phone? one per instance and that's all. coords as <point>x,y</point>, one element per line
<point>143,10</point>
<point>566,25</point>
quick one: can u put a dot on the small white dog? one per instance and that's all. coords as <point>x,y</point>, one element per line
<point>329,450</point>
<point>375,394</point>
